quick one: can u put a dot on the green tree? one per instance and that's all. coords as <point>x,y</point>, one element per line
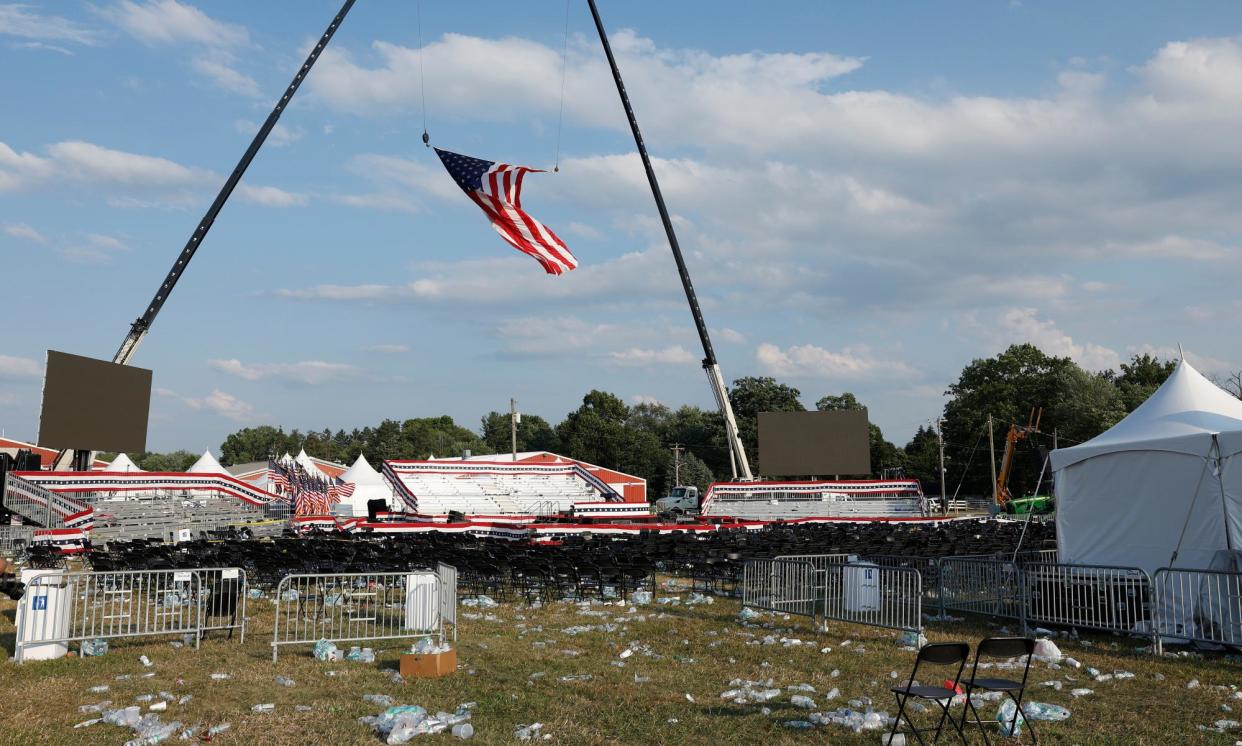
<point>174,461</point>
<point>922,459</point>
<point>257,444</point>
<point>752,395</point>
<point>533,433</point>
<point>693,471</point>
<point>440,436</point>
<point>599,432</point>
<point>1140,378</point>
<point>844,402</point>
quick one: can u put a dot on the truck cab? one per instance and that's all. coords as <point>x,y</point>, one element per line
<point>679,501</point>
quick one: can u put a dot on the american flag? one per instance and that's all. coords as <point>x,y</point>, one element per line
<point>497,188</point>
<point>338,492</point>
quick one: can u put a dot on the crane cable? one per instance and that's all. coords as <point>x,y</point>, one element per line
<point>422,82</point>
<point>560,116</point>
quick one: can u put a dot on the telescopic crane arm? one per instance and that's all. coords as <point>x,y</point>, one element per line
<point>737,453</point>
<point>139,329</point>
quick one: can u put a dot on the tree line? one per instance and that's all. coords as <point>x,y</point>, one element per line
<point>638,439</point>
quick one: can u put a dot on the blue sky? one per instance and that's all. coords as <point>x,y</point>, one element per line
<point>869,195</point>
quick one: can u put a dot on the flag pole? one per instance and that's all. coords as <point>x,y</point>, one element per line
<point>710,365</point>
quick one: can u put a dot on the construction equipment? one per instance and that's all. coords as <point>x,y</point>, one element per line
<point>138,331</point>
<point>737,453</point>
<point>1016,433</point>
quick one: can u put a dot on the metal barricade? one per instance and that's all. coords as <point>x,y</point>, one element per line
<point>871,594</point>
<point>1198,606</point>
<point>355,607</point>
<point>225,590</point>
<point>927,567</point>
<point>821,563</point>
<point>972,585</point>
<point>1104,597</point>
<point>784,585</point>
<point>62,607</point>
<point>13,539</point>
<point>448,595</point>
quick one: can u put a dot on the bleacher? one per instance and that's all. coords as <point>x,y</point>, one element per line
<point>165,517</point>
<point>770,506</point>
<point>512,491</point>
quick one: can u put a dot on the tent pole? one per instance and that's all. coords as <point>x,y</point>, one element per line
<point>1220,481</point>
<point>1191,509</point>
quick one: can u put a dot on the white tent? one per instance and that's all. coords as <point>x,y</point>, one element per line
<point>123,463</point>
<point>308,465</point>
<point>206,464</point>
<point>368,485</point>
<point>1163,480</point>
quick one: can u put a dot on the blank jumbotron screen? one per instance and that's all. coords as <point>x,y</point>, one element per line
<point>94,405</point>
<point>814,443</point>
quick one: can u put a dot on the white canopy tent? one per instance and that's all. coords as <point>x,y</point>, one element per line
<point>308,465</point>
<point>123,463</point>
<point>206,464</point>
<point>1160,488</point>
<point>368,485</point>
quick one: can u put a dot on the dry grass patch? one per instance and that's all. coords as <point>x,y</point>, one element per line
<point>699,648</point>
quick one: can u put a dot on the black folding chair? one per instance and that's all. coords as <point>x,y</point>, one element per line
<point>935,654</point>
<point>1000,647</point>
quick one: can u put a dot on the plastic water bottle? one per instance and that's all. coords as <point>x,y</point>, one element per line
<point>216,730</point>
<point>284,681</point>
<point>268,707</point>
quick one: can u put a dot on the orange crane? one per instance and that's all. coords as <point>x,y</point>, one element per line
<point>1016,432</point>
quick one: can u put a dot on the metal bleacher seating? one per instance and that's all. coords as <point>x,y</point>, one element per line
<point>498,494</point>
<point>164,517</point>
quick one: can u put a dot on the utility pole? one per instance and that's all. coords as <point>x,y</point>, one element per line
<point>677,449</point>
<point>514,419</point>
<point>944,502</point>
<point>992,459</point>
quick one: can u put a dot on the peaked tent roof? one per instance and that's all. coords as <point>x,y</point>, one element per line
<point>206,464</point>
<point>362,473</point>
<point>308,465</point>
<point>1180,416</point>
<point>123,463</point>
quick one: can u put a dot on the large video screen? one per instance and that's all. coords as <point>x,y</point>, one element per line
<point>820,444</point>
<point>94,405</point>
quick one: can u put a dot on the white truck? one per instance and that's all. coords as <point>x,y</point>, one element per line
<point>679,501</point>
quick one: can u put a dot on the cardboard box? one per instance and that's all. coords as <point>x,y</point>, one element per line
<point>428,666</point>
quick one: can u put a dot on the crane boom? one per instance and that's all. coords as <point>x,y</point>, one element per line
<point>81,459</point>
<point>138,330</point>
<point>737,453</point>
<point>1016,432</point>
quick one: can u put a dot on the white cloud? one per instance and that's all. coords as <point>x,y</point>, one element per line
<point>218,402</point>
<point>20,20</point>
<point>172,22</point>
<point>387,349</point>
<point>86,161</point>
<point>21,230</point>
<point>307,372</point>
<point>270,196</point>
<point>19,367</point>
<point>127,179</point>
<point>811,361</point>
<point>732,336</point>
<point>1019,325</point>
<point>634,356</point>
<point>1204,363</point>
<point>219,70</point>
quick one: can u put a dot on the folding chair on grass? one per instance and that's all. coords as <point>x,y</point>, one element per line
<point>1000,647</point>
<point>934,654</point>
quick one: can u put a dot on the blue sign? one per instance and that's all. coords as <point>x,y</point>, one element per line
<point>40,603</point>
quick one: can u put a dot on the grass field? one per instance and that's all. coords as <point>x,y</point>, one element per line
<point>700,649</point>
